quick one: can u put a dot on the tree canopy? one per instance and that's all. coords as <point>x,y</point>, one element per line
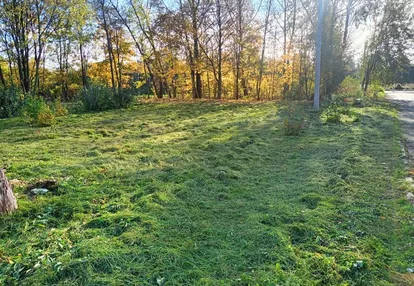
<point>230,49</point>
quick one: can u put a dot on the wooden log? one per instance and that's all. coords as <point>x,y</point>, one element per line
<point>8,202</point>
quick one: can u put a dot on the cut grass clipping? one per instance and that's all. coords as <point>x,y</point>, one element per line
<point>207,194</point>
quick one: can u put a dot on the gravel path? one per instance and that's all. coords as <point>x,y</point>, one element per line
<point>405,100</point>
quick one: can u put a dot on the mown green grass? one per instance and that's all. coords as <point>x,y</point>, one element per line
<point>207,194</point>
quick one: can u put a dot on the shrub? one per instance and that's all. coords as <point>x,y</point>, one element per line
<point>59,109</point>
<point>45,117</point>
<point>292,126</point>
<point>38,112</point>
<point>11,102</point>
<point>375,90</point>
<point>350,87</point>
<point>123,98</point>
<point>341,99</point>
<point>333,113</point>
<point>340,113</point>
<point>294,121</point>
<point>99,98</point>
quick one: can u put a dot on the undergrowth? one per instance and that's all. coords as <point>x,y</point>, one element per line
<point>294,119</point>
<point>207,194</point>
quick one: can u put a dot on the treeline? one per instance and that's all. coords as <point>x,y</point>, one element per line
<point>217,49</point>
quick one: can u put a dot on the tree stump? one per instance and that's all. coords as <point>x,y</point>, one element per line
<point>8,202</point>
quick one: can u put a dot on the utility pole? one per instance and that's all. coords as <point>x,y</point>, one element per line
<point>318,56</point>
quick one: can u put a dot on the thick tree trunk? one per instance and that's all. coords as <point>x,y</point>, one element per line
<point>8,202</point>
<point>197,86</point>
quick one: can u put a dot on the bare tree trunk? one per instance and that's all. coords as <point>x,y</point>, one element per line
<point>238,49</point>
<point>64,67</point>
<point>197,87</point>
<point>346,28</point>
<point>372,62</point>
<point>244,86</point>
<point>8,202</point>
<point>43,71</point>
<point>20,33</point>
<point>109,46</point>
<point>208,85</point>
<point>285,32</point>
<point>83,66</point>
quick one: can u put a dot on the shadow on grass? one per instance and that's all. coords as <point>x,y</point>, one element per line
<point>236,202</point>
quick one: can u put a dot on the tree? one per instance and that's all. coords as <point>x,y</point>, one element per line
<point>287,21</point>
<point>137,20</point>
<point>261,64</point>
<point>28,26</point>
<point>213,42</point>
<point>104,18</point>
<point>17,20</point>
<point>386,51</point>
<point>245,43</point>
<point>333,63</point>
<point>192,13</point>
<point>70,35</point>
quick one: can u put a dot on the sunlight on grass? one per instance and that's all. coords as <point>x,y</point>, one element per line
<point>207,194</point>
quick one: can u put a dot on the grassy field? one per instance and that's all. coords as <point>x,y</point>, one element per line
<point>208,194</point>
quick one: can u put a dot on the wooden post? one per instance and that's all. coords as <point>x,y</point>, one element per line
<point>8,202</point>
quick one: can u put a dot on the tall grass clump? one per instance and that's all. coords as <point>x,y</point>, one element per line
<point>294,119</point>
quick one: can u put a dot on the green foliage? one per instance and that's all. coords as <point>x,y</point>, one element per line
<point>100,97</point>
<point>11,101</point>
<point>350,87</point>
<point>123,98</point>
<point>339,111</point>
<point>333,113</point>
<point>206,194</point>
<point>97,97</point>
<point>58,108</point>
<point>375,90</point>
<point>386,51</point>
<point>38,112</point>
<point>294,119</point>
